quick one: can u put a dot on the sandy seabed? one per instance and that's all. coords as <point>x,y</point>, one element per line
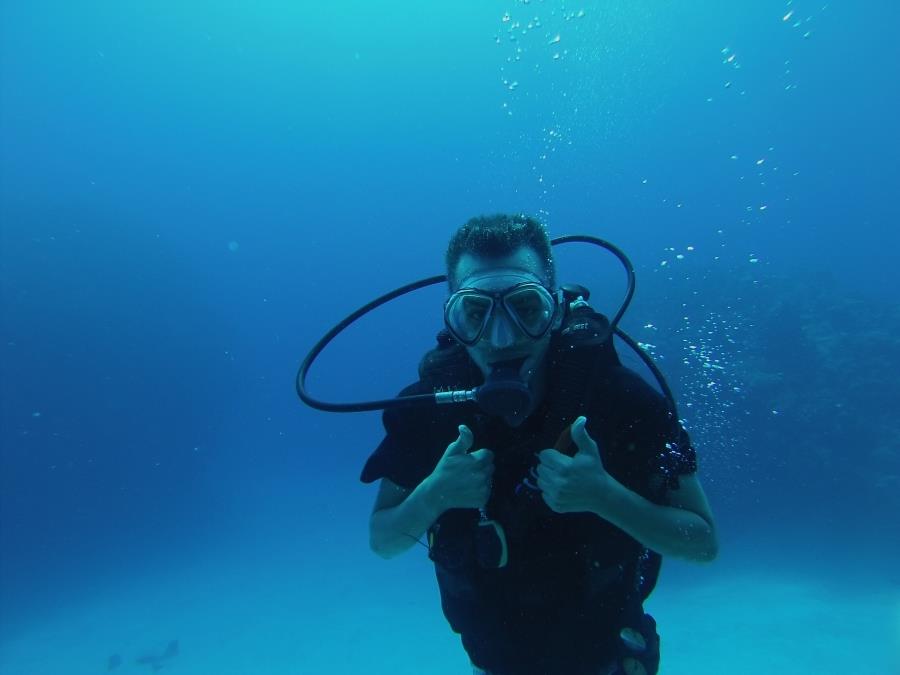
<point>365,615</point>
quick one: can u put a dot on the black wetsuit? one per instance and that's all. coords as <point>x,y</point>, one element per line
<point>572,581</point>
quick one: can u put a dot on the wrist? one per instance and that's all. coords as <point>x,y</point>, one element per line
<point>609,498</point>
<point>430,499</point>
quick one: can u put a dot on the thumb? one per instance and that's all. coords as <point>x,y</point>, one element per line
<point>484,455</point>
<point>582,438</point>
<point>462,444</point>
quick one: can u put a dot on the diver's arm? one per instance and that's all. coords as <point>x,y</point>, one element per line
<point>683,528</point>
<point>461,479</point>
<point>399,518</point>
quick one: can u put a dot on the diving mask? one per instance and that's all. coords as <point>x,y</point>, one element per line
<point>528,304</point>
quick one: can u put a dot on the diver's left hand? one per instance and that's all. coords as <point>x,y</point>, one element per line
<point>578,483</point>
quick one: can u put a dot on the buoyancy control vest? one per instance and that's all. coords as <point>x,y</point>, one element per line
<point>553,558</point>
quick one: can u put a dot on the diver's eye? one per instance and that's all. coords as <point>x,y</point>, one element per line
<point>528,307</point>
<point>475,309</point>
<point>533,310</point>
<point>529,312</point>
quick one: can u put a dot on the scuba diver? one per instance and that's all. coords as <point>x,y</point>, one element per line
<point>554,481</point>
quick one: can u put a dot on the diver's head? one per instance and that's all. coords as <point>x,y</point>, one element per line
<point>499,236</point>
<point>503,305</point>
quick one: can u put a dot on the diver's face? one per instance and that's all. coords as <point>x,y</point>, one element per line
<point>503,339</point>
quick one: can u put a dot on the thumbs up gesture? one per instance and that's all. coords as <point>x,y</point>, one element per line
<point>462,479</point>
<point>577,483</point>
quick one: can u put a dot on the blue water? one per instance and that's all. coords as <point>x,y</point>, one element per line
<point>192,193</point>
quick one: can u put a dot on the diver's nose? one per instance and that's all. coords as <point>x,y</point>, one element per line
<point>501,333</point>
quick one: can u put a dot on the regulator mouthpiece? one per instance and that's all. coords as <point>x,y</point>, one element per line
<point>504,392</point>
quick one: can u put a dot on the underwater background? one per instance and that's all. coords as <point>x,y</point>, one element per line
<point>192,193</point>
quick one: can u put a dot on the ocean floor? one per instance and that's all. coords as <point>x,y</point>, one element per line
<point>291,615</point>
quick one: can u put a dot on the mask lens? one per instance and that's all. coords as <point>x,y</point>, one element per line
<point>533,309</point>
<point>467,314</point>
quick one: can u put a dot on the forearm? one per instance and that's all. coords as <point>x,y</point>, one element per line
<point>395,530</point>
<point>667,530</point>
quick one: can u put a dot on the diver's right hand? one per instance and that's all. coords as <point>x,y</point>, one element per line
<point>462,479</point>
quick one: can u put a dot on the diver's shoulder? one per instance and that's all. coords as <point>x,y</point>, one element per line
<point>626,386</point>
<point>416,388</point>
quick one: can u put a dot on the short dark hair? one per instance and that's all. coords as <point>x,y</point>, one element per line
<point>497,236</point>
